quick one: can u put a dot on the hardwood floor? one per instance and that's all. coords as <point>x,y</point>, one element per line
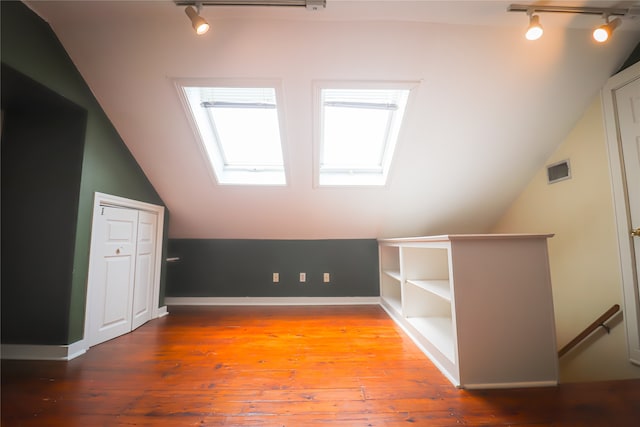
<point>282,366</point>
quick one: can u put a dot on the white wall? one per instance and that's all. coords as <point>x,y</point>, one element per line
<point>583,254</point>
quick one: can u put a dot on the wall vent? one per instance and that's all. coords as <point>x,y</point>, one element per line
<point>558,171</point>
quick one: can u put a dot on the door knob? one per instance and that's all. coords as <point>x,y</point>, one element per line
<point>636,232</point>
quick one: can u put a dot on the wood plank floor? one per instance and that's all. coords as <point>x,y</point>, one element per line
<point>282,366</point>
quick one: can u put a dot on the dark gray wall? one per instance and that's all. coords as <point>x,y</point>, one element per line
<point>244,268</point>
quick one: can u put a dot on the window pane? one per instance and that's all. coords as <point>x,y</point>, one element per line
<point>248,137</point>
<point>354,137</point>
<point>246,126</point>
<point>239,129</point>
<point>358,134</point>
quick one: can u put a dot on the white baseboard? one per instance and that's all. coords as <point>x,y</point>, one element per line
<point>42,352</point>
<point>162,311</point>
<point>519,384</point>
<point>272,301</point>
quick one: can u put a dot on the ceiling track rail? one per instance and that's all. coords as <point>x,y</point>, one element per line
<point>533,8</point>
<point>309,4</point>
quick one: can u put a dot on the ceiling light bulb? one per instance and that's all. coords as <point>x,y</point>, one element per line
<point>202,27</point>
<point>198,22</point>
<point>603,32</point>
<point>534,31</point>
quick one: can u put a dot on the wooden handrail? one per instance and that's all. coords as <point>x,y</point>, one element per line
<point>589,329</point>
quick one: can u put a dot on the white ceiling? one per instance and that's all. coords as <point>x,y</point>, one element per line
<point>490,109</point>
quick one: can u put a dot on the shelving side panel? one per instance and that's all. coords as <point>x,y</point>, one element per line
<point>390,277</point>
<point>391,292</point>
<point>504,312</point>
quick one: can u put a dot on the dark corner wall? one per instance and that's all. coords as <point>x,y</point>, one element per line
<point>244,268</point>
<point>42,143</point>
<point>634,57</point>
<point>58,149</point>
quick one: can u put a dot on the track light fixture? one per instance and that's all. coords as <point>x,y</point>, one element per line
<point>309,4</point>
<point>202,26</point>
<point>600,34</point>
<point>603,32</point>
<point>534,31</point>
<point>198,22</point>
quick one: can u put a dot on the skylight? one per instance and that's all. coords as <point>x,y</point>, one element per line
<point>357,131</point>
<point>239,129</point>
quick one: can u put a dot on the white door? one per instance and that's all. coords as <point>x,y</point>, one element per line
<point>145,263</point>
<point>621,102</point>
<point>123,273</point>
<point>628,103</point>
<point>116,232</point>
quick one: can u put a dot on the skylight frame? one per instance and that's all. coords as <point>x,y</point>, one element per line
<point>376,175</point>
<point>221,172</point>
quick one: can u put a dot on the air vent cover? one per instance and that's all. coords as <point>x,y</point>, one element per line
<point>558,171</point>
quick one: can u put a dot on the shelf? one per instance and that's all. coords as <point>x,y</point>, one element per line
<point>439,330</point>
<point>461,324</point>
<point>440,288</point>
<point>394,304</point>
<point>393,274</point>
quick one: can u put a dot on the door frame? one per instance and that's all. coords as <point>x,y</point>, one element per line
<point>101,200</point>
<point>629,276</point>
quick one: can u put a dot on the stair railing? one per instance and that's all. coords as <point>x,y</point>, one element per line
<point>599,322</point>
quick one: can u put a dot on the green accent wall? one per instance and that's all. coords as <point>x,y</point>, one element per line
<point>29,46</point>
<point>244,268</point>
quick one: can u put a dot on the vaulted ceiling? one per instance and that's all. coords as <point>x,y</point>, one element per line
<point>488,111</point>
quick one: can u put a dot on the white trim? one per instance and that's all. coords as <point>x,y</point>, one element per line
<point>162,311</point>
<point>521,384</point>
<point>272,301</point>
<point>42,352</point>
<point>631,299</point>
<point>102,199</point>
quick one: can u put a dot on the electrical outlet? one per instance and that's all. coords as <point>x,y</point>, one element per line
<point>303,277</point>
<point>326,277</point>
<point>276,277</point>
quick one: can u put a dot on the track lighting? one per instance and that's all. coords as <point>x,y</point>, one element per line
<point>198,22</point>
<point>202,26</point>
<point>534,31</point>
<point>603,32</point>
<point>309,4</point>
<point>600,34</point>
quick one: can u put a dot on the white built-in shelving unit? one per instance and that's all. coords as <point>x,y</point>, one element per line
<point>480,306</point>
